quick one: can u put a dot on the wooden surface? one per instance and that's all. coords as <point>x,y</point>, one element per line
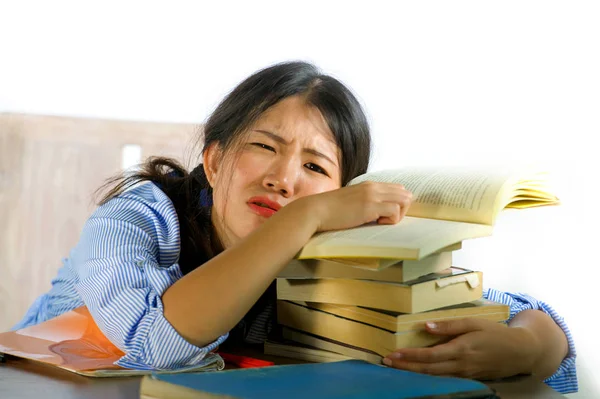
<point>26,380</point>
<point>49,168</point>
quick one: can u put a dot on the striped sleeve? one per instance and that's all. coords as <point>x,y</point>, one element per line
<point>125,260</point>
<point>564,380</point>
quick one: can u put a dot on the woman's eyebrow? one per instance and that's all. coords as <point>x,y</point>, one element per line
<point>281,140</point>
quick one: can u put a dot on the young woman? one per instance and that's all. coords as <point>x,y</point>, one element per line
<point>170,268</point>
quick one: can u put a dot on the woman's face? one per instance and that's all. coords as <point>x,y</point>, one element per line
<point>288,153</point>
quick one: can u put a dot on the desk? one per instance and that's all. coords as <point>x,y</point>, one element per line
<point>20,378</point>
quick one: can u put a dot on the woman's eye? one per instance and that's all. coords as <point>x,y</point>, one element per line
<point>316,168</point>
<point>266,147</point>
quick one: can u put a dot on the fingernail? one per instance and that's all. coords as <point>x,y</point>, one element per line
<point>431,325</point>
<point>395,355</point>
<point>387,362</point>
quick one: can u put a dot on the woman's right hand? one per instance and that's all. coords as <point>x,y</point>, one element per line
<point>351,206</point>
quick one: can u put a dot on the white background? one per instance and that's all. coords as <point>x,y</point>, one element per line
<point>448,82</point>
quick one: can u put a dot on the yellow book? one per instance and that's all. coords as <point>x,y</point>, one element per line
<point>349,332</point>
<point>392,322</point>
<point>398,322</point>
<point>449,206</point>
<point>328,345</point>
<point>293,350</point>
<point>436,290</point>
<point>411,268</point>
<point>399,272</point>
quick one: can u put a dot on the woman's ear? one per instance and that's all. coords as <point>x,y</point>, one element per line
<point>210,160</point>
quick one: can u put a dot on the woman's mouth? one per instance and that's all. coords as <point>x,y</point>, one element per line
<point>262,211</point>
<point>263,206</point>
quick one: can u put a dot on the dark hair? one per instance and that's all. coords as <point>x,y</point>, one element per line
<point>232,117</point>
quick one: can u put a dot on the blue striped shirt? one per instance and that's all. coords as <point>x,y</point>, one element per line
<point>126,259</point>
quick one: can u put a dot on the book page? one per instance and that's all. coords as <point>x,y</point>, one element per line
<point>451,194</point>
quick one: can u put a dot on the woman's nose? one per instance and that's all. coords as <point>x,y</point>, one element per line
<point>282,179</point>
<point>281,185</point>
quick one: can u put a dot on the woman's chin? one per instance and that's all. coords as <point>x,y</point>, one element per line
<point>249,226</point>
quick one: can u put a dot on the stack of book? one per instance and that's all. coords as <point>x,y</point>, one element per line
<point>367,291</point>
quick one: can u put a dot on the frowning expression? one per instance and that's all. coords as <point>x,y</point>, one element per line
<point>288,153</point>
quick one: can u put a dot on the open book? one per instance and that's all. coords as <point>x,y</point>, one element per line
<point>73,342</point>
<point>449,206</point>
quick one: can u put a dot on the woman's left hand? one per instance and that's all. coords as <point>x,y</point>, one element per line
<point>479,349</point>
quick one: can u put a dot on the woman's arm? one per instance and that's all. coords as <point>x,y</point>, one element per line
<point>547,340</point>
<point>227,286</point>
<point>564,377</point>
<point>537,341</point>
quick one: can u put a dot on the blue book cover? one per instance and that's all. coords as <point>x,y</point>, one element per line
<point>346,379</point>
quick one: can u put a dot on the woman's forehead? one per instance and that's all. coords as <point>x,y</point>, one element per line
<point>294,119</point>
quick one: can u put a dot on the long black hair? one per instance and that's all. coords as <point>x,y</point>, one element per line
<point>190,191</point>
